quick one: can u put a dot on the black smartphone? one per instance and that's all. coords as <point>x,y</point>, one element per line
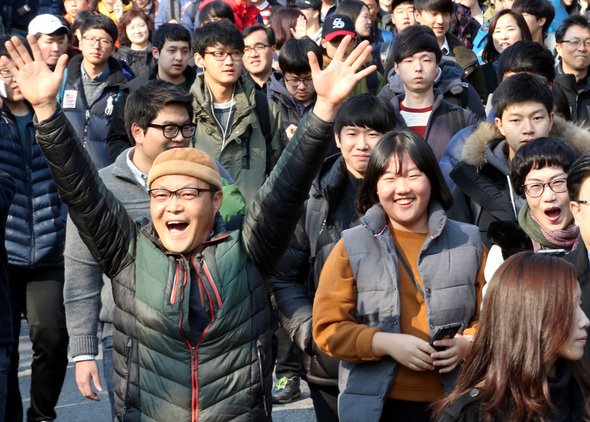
<point>554,252</point>
<point>445,332</point>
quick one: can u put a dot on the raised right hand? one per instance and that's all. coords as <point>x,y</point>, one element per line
<point>38,84</point>
<point>86,371</point>
<point>408,350</point>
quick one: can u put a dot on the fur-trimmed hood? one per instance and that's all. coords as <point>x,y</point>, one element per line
<point>475,150</point>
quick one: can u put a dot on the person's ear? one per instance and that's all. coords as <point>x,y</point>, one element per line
<point>396,68</point>
<point>541,22</point>
<point>416,16</point>
<point>575,209</point>
<point>499,125</point>
<point>155,53</point>
<point>324,42</point>
<point>199,61</point>
<point>217,200</point>
<point>137,133</point>
<point>337,139</point>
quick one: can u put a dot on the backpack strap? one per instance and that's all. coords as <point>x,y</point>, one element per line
<point>263,114</point>
<point>315,221</point>
<point>455,117</point>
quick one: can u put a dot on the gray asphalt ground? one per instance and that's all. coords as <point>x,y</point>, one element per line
<point>72,407</point>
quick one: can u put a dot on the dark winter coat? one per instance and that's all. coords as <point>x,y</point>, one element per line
<point>35,230</point>
<point>226,374</point>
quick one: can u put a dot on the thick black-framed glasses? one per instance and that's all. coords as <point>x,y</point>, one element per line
<point>185,194</point>
<point>220,56</point>
<point>170,131</point>
<point>535,189</point>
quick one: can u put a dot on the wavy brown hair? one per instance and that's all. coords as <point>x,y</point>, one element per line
<point>528,313</point>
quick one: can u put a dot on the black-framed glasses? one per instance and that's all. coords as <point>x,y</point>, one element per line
<point>296,82</point>
<point>259,48</point>
<point>576,42</point>
<point>535,189</point>
<point>184,194</point>
<point>5,74</point>
<point>103,42</point>
<point>170,131</point>
<point>222,55</point>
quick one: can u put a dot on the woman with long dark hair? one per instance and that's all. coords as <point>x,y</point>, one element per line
<point>391,281</point>
<point>526,363</point>
<point>506,28</point>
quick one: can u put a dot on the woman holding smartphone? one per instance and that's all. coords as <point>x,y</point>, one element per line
<point>527,361</point>
<point>391,281</point>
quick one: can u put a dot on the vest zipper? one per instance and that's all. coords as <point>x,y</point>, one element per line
<point>212,283</point>
<point>86,124</point>
<point>175,285</point>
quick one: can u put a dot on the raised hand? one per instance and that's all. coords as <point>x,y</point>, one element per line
<point>38,84</point>
<point>300,29</point>
<point>335,83</point>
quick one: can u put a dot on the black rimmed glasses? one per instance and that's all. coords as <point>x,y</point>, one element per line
<point>184,194</point>
<point>296,82</point>
<point>536,189</point>
<point>222,55</point>
<point>170,131</point>
<point>259,48</point>
<point>103,42</point>
<point>576,42</point>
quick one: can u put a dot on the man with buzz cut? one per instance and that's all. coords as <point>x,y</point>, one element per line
<point>191,303</point>
<point>171,47</point>
<point>236,124</point>
<point>436,14</point>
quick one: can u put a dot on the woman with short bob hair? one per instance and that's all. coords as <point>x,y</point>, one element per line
<point>527,361</point>
<point>135,36</point>
<point>391,281</point>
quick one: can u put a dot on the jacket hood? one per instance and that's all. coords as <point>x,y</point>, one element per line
<point>478,145</point>
<point>332,177</point>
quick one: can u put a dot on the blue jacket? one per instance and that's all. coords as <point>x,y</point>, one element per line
<point>92,123</point>
<point>35,229</point>
<point>7,189</point>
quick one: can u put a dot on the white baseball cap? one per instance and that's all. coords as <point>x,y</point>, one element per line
<point>46,24</point>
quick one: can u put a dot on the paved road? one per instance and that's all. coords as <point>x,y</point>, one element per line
<point>72,407</point>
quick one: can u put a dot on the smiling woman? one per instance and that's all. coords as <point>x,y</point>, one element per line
<point>389,283</point>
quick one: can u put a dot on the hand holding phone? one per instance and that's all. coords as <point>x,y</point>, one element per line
<point>445,331</point>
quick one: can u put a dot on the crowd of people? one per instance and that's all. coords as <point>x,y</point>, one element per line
<point>388,199</point>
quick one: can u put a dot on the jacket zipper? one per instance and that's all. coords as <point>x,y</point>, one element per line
<point>175,285</point>
<point>258,347</point>
<point>212,283</point>
<point>126,402</point>
<point>193,348</point>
